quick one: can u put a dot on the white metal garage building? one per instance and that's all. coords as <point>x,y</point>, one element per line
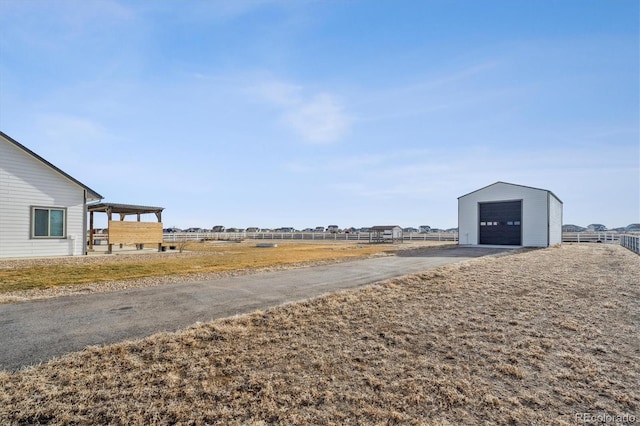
<point>512,215</point>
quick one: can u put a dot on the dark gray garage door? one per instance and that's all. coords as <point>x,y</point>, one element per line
<point>501,223</point>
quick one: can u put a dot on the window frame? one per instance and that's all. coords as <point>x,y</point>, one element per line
<point>48,236</point>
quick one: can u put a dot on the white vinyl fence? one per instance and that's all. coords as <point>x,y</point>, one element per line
<point>590,237</point>
<point>632,242</point>
<point>567,237</point>
<point>319,236</point>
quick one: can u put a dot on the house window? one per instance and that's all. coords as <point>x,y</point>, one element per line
<point>48,222</point>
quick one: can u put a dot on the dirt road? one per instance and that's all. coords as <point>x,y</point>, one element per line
<point>37,331</point>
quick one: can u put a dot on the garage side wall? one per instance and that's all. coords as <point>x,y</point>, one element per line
<point>534,212</point>
<point>555,220</point>
<point>467,220</point>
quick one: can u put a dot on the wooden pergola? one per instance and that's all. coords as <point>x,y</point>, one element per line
<point>121,232</point>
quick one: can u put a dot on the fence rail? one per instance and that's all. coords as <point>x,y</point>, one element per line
<point>629,241</point>
<point>632,242</point>
<point>567,237</point>
<point>590,237</point>
<point>319,236</point>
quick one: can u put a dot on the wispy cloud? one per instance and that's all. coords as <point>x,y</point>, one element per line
<point>279,93</point>
<point>430,94</point>
<point>65,130</point>
<point>440,176</point>
<point>216,10</point>
<point>317,118</point>
<point>454,77</point>
<point>65,21</point>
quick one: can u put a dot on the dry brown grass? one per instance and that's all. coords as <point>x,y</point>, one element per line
<point>34,274</point>
<point>532,338</point>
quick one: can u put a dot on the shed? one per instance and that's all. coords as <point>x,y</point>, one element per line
<point>511,215</point>
<point>121,232</point>
<point>385,233</point>
<point>42,208</point>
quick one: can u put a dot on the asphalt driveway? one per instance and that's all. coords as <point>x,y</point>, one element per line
<point>37,331</point>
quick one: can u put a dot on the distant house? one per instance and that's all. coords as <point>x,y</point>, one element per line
<point>43,210</point>
<point>633,227</point>
<point>286,229</point>
<point>572,228</point>
<point>195,229</point>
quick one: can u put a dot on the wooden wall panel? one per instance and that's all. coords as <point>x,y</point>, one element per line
<point>135,232</point>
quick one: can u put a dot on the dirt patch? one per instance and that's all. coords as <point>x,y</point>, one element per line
<point>534,338</point>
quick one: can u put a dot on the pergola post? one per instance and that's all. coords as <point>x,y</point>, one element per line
<point>110,246</point>
<point>91,231</point>
<point>159,216</point>
<point>139,246</point>
<point>122,216</point>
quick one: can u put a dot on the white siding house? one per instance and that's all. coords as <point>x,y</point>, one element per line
<point>508,214</point>
<point>42,209</point>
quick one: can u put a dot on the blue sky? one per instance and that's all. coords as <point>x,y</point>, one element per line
<point>309,113</point>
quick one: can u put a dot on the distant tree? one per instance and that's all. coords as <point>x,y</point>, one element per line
<point>182,244</point>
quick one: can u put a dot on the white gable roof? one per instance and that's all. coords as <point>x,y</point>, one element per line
<point>512,184</point>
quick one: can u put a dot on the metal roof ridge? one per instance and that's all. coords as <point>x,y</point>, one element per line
<point>512,184</point>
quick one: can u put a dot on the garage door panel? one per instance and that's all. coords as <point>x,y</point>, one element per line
<point>501,223</point>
